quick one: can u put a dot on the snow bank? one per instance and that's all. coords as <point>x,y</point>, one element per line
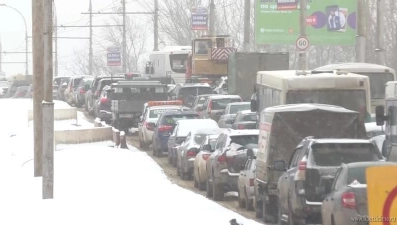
<point>96,184</point>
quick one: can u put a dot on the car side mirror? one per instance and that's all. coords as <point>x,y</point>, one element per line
<point>250,154</point>
<point>380,115</point>
<point>279,165</point>
<point>207,148</point>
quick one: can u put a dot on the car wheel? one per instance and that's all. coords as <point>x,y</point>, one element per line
<point>258,210</point>
<point>241,201</point>
<point>209,193</point>
<point>217,192</point>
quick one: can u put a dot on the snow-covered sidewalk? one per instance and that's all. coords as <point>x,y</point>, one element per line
<point>95,184</point>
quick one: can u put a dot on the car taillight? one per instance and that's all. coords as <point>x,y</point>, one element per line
<point>252,182</point>
<point>20,94</point>
<point>209,107</point>
<point>97,93</point>
<point>149,126</point>
<point>163,128</point>
<point>222,159</point>
<point>241,127</point>
<point>206,156</point>
<point>302,165</point>
<point>192,152</point>
<point>82,91</point>
<point>104,100</point>
<point>349,200</point>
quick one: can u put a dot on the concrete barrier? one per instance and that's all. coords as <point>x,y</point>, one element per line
<point>59,114</point>
<point>123,140</point>
<point>84,135</point>
<point>97,123</point>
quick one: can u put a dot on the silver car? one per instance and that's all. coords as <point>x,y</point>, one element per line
<point>188,150</point>
<point>246,180</point>
<point>215,105</point>
<point>230,113</point>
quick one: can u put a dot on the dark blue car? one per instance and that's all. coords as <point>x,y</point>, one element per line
<point>165,126</point>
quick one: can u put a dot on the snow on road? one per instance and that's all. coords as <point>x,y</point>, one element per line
<point>95,184</point>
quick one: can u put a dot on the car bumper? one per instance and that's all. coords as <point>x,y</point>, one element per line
<point>189,165</point>
<point>162,143</point>
<point>105,115</point>
<point>309,210</point>
<point>229,180</point>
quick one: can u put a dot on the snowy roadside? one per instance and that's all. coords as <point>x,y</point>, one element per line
<point>94,184</point>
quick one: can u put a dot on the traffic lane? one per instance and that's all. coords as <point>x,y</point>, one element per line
<point>230,202</point>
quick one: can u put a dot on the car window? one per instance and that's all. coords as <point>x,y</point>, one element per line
<point>218,144</point>
<point>236,108</point>
<point>357,174</point>
<point>249,118</point>
<point>212,142</point>
<point>244,140</point>
<point>201,101</point>
<point>175,131</point>
<point>336,180</point>
<point>155,113</point>
<point>294,159</point>
<point>188,137</point>
<point>76,81</point>
<point>334,154</point>
<point>199,138</point>
<point>220,104</point>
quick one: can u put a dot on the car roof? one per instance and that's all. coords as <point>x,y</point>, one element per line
<point>367,164</point>
<point>224,96</point>
<point>207,131</point>
<point>232,132</point>
<point>341,141</point>
<point>246,112</point>
<point>306,107</point>
<point>166,107</point>
<point>239,103</point>
<point>194,121</point>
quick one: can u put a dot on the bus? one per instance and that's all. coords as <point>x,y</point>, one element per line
<point>378,76</point>
<point>347,90</point>
<point>170,61</point>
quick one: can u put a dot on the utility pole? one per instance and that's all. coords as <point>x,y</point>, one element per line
<point>124,40</point>
<point>56,41</point>
<point>91,54</point>
<point>361,32</point>
<point>302,20</point>
<point>380,43</point>
<point>38,83</point>
<point>48,106</point>
<point>156,25</point>
<point>212,18</point>
<point>247,15</point>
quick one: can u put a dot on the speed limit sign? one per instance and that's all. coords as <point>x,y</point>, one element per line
<point>302,43</point>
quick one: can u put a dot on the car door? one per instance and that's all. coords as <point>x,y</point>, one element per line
<point>286,179</point>
<point>243,175</point>
<point>327,208</point>
<point>171,140</point>
<point>212,156</point>
<point>181,150</point>
<point>141,122</point>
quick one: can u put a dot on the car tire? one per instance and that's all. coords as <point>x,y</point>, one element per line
<point>266,217</point>
<point>249,205</point>
<point>209,193</point>
<point>241,201</point>
<point>217,191</point>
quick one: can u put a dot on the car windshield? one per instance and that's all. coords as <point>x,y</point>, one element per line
<point>77,81</point>
<point>172,119</point>
<point>194,91</point>
<point>178,62</point>
<point>220,104</point>
<point>334,154</point>
<point>377,82</point>
<point>234,109</point>
<point>87,82</point>
<point>244,140</point>
<point>199,138</point>
<point>156,113</point>
<point>213,142</point>
<point>249,117</point>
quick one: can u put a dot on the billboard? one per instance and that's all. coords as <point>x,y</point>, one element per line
<point>113,56</point>
<point>329,22</point>
<point>199,18</point>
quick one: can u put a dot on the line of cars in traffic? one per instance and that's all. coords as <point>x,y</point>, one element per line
<point>302,163</point>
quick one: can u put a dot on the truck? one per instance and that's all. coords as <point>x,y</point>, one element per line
<point>208,58</point>
<point>243,67</point>
<point>128,98</point>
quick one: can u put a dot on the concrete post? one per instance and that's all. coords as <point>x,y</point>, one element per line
<point>48,150</point>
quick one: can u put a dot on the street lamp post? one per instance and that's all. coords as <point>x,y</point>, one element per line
<point>26,36</point>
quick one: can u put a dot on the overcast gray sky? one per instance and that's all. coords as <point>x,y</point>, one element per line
<point>12,29</point>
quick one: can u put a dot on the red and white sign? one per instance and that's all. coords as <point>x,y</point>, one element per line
<point>302,43</point>
<point>221,53</point>
<point>311,20</point>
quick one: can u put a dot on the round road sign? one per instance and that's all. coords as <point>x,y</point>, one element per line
<point>302,43</point>
<point>387,206</point>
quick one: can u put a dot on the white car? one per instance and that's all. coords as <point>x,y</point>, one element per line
<point>150,116</point>
<point>374,130</point>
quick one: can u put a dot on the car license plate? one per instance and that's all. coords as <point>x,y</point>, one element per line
<point>126,116</point>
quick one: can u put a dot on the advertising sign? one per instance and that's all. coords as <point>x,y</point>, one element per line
<point>329,22</point>
<point>199,18</point>
<point>287,4</point>
<point>113,56</point>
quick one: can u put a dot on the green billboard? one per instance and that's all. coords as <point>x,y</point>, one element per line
<point>328,22</point>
